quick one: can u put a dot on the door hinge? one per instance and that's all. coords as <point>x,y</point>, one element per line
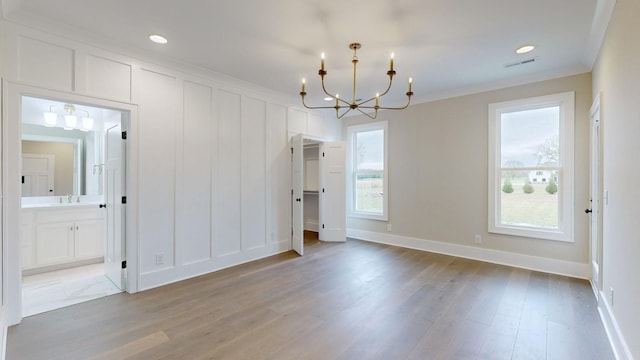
<point>323,226</point>
<point>124,264</point>
<point>322,189</point>
<point>291,151</point>
<point>124,199</point>
<point>124,135</point>
<point>323,154</point>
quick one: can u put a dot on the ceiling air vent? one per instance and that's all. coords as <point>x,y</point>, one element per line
<point>527,61</point>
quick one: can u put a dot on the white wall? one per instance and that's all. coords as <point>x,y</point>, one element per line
<point>616,77</point>
<point>438,181</point>
<point>211,185</point>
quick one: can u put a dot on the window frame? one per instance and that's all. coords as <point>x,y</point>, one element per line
<point>566,103</point>
<point>352,131</point>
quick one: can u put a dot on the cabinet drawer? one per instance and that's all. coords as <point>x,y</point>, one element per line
<point>57,215</point>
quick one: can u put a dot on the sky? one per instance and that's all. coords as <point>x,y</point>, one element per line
<point>523,132</point>
<point>370,147</point>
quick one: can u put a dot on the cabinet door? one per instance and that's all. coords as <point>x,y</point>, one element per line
<point>89,239</point>
<point>28,249</point>
<point>54,243</point>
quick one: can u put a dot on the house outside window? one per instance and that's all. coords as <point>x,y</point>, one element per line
<point>531,167</point>
<point>367,168</point>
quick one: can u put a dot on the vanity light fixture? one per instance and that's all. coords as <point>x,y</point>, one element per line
<point>70,120</point>
<point>87,124</point>
<point>158,39</point>
<point>50,118</point>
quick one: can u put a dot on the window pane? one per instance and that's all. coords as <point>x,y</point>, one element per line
<point>530,137</point>
<point>369,192</point>
<point>370,150</point>
<point>529,199</point>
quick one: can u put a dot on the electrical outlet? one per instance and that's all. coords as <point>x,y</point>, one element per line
<point>611,295</point>
<point>478,239</point>
<point>159,258</point>
<point>389,227</point>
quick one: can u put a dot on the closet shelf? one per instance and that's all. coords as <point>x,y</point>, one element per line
<point>310,192</point>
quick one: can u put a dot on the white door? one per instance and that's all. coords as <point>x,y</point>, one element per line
<point>297,198</point>
<point>113,192</point>
<point>594,211</point>
<point>37,174</point>
<point>332,192</point>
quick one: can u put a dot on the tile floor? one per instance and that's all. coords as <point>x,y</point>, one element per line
<point>56,289</point>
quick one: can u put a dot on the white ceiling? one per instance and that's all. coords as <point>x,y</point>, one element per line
<point>449,47</point>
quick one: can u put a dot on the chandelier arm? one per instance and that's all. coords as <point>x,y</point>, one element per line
<point>388,87</point>
<point>366,101</point>
<point>333,96</point>
<point>379,95</point>
<point>375,114</point>
<point>319,107</point>
<point>343,114</point>
<point>402,107</point>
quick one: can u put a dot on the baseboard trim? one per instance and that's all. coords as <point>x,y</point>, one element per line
<point>172,274</point>
<point>69,265</point>
<point>529,262</point>
<point>616,339</point>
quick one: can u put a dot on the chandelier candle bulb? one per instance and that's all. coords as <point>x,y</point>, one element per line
<point>322,61</point>
<point>303,82</point>
<point>391,62</point>
<point>410,82</point>
<point>377,98</point>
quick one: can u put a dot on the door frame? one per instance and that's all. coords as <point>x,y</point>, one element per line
<point>297,191</point>
<point>596,196</point>
<point>11,156</point>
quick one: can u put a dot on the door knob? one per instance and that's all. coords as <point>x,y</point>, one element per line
<point>587,211</point>
<point>103,206</point>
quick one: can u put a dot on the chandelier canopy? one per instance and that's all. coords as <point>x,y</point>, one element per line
<point>343,106</point>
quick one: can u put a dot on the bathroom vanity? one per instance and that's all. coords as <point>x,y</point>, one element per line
<point>60,235</point>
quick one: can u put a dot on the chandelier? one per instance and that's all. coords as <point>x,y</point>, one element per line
<point>343,106</point>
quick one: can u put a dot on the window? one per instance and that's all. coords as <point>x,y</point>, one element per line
<point>367,168</point>
<point>531,167</point>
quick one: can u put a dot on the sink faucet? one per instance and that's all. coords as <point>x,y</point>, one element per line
<point>69,198</point>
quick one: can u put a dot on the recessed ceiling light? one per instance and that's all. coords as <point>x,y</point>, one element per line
<point>158,39</point>
<point>524,49</point>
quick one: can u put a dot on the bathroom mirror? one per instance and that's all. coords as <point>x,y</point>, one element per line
<point>57,160</point>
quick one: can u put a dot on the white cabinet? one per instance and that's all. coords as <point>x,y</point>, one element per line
<point>89,239</point>
<point>54,243</point>
<point>28,238</point>
<point>61,235</point>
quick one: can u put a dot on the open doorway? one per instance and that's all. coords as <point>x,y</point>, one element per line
<point>72,171</point>
<point>318,191</point>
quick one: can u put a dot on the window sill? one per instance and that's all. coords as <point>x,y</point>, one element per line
<point>369,216</point>
<point>538,234</point>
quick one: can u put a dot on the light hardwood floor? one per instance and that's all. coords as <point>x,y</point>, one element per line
<point>356,300</point>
